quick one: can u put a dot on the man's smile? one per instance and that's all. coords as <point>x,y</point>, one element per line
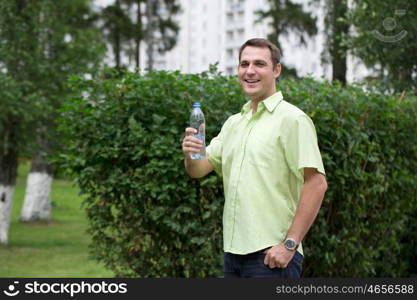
<point>252,80</point>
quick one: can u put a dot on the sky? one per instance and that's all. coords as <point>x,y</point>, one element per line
<point>102,3</point>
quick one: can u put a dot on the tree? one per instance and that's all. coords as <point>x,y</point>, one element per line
<point>286,17</point>
<point>10,126</point>
<point>385,40</point>
<point>117,26</point>
<point>43,42</point>
<point>17,28</point>
<point>337,30</point>
<point>64,53</point>
<point>129,22</point>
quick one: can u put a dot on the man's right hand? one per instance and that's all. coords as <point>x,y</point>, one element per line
<point>191,144</point>
<point>196,168</point>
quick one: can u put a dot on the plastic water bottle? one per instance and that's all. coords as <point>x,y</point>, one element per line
<point>197,122</point>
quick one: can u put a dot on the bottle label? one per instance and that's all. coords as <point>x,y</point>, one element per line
<point>202,153</point>
<point>200,137</point>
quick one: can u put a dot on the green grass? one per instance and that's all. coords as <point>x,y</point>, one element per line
<point>55,249</point>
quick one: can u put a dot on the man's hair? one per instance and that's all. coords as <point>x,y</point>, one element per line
<point>263,43</point>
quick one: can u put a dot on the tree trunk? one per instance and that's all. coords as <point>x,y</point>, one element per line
<point>338,51</point>
<point>6,204</point>
<point>149,34</point>
<point>117,41</point>
<point>138,36</point>
<point>8,174</point>
<point>37,203</point>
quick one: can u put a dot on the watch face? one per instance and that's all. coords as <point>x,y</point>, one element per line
<point>290,244</point>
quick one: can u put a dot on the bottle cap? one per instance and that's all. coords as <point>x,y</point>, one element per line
<point>196,104</point>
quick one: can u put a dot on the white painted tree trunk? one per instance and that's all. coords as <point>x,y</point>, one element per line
<point>6,203</point>
<point>37,203</point>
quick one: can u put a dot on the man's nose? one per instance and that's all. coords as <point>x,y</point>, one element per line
<point>250,69</point>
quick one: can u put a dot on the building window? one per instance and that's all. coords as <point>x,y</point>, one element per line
<point>230,18</point>
<point>241,16</point>
<point>229,53</point>
<point>241,34</point>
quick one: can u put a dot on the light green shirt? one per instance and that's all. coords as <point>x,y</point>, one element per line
<point>262,159</point>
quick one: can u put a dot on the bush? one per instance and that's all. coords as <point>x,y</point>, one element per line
<point>366,226</point>
<point>149,219</point>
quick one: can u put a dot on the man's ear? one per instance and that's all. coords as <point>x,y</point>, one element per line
<point>277,70</point>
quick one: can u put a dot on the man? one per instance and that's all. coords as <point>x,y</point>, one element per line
<point>272,172</point>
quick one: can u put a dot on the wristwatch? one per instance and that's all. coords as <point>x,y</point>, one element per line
<point>290,244</point>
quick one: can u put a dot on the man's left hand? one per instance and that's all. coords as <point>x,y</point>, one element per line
<point>278,256</point>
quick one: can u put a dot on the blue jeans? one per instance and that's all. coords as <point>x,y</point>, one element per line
<point>252,266</point>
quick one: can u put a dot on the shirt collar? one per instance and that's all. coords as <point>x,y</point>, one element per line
<point>270,103</point>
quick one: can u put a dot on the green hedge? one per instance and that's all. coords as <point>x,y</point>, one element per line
<point>367,225</point>
<point>149,219</point>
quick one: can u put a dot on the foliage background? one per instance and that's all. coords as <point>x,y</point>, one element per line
<point>149,219</point>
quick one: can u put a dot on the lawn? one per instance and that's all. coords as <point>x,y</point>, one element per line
<point>55,249</point>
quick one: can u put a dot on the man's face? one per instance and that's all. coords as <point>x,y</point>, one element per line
<point>256,73</point>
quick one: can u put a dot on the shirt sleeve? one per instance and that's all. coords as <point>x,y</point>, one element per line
<point>215,149</point>
<point>301,147</point>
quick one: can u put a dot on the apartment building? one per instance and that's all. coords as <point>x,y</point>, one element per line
<point>211,31</point>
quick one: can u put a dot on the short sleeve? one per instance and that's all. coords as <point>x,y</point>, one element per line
<point>301,147</point>
<point>215,149</point>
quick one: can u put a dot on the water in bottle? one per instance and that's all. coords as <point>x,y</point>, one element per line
<point>197,122</point>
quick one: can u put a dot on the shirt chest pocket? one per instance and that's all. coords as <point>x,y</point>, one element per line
<point>261,150</point>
